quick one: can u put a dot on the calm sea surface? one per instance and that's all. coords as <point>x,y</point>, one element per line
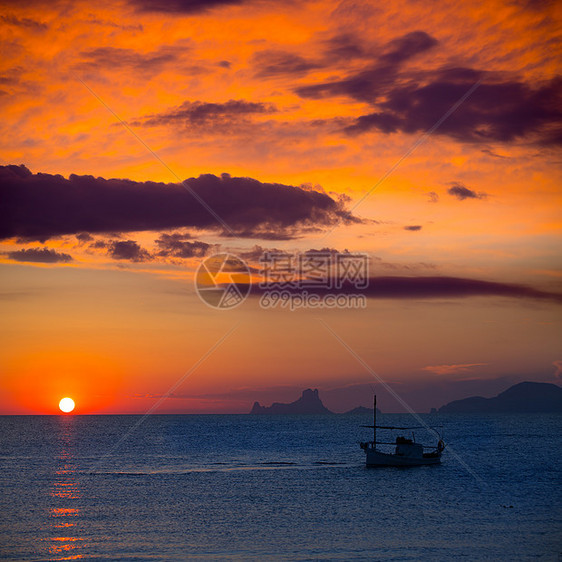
<point>275,487</point>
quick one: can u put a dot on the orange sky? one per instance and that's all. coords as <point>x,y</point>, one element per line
<point>325,94</point>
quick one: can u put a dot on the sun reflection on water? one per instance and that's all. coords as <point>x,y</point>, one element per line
<point>65,493</point>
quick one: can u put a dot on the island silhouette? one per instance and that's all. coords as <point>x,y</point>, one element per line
<point>308,403</point>
<point>525,397</point>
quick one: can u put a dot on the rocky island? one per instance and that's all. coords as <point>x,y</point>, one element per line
<point>525,397</point>
<point>308,403</point>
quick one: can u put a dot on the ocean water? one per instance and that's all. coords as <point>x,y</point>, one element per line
<point>279,487</point>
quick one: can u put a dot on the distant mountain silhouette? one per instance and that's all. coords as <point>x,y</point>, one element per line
<point>360,410</point>
<point>525,397</point>
<point>308,403</point>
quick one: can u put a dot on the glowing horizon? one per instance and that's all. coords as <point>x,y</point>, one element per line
<point>430,141</point>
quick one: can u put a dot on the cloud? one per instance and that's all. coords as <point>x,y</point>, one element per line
<point>28,23</point>
<point>452,369</point>
<point>535,5</point>
<point>40,206</point>
<point>128,250</point>
<point>370,83</point>
<point>179,245</point>
<point>98,244</point>
<point>364,86</point>
<point>275,62</point>
<point>92,20</point>
<point>266,233</point>
<point>326,251</point>
<point>394,266</point>
<point>413,227</point>
<point>408,46</point>
<point>254,254</point>
<point>461,192</point>
<point>257,252</point>
<point>12,77</point>
<point>182,6</point>
<point>205,115</point>
<point>501,111</point>
<point>492,153</point>
<point>437,287</point>
<point>412,100</point>
<point>433,197</point>
<point>84,237</point>
<point>344,46</point>
<point>117,58</point>
<point>39,255</point>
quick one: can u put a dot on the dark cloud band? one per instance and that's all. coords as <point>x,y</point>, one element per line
<point>39,206</point>
<point>432,288</point>
<point>179,7</point>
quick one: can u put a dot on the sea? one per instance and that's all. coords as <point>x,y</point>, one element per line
<point>242,487</point>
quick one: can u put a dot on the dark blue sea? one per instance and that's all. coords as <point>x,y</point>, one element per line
<point>275,487</point>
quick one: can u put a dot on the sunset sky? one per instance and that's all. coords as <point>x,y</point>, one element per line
<point>427,136</point>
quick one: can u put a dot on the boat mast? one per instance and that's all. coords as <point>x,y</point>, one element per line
<point>375,421</point>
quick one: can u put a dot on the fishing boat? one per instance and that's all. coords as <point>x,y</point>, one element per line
<point>406,453</point>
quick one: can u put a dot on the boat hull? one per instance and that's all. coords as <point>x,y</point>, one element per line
<point>376,458</point>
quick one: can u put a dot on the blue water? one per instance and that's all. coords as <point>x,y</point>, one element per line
<point>287,488</point>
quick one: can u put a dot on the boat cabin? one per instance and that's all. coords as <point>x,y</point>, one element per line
<point>407,448</point>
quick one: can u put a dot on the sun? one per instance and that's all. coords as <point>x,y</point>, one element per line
<point>66,405</point>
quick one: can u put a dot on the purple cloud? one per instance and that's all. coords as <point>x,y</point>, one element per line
<point>179,245</point>
<point>275,62</point>
<point>128,250</point>
<point>182,6</point>
<point>84,237</point>
<point>435,287</point>
<point>39,255</point>
<point>29,23</point>
<point>411,101</point>
<point>206,115</point>
<point>503,111</point>
<point>344,46</point>
<point>408,46</point>
<point>461,192</point>
<point>151,63</point>
<point>368,84</point>
<point>40,206</point>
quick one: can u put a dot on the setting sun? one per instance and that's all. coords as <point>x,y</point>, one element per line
<point>66,405</point>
